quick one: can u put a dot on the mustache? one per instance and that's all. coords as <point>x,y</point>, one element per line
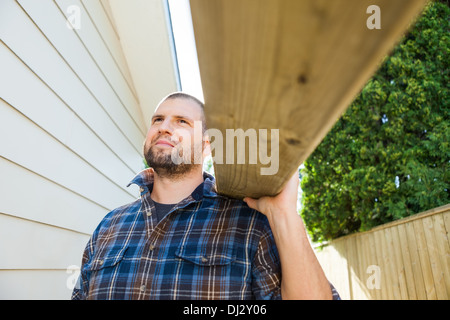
<point>165,137</point>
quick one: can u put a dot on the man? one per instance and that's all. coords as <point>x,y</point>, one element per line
<point>181,240</point>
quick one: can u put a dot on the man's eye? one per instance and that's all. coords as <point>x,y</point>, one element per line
<point>183,121</point>
<point>157,120</point>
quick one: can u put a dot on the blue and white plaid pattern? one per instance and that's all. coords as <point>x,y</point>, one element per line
<point>206,247</point>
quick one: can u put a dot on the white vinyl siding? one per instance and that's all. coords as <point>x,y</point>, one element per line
<point>71,134</point>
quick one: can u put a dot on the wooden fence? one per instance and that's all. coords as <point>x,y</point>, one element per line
<point>405,259</point>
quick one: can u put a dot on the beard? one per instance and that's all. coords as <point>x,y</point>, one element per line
<point>173,164</point>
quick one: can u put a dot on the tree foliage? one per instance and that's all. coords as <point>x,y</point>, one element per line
<point>388,155</point>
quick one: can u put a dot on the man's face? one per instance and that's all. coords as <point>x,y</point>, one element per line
<point>174,142</point>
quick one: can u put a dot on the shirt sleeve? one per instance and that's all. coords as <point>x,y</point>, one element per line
<point>82,285</point>
<point>334,292</point>
<point>266,270</point>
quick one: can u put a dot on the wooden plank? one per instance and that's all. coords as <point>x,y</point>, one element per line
<point>443,248</point>
<point>339,267</point>
<point>354,269</point>
<point>335,266</point>
<point>292,66</point>
<point>360,272</point>
<point>400,269</point>
<point>380,262</point>
<point>376,294</point>
<point>352,263</point>
<point>436,268</point>
<point>406,262</point>
<point>347,294</point>
<point>424,260</point>
<point>365,263</point>
<point>389,292</point>
<point>447,222</point>
<point>415,261</point>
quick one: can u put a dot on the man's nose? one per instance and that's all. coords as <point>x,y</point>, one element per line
<point>166,126</point>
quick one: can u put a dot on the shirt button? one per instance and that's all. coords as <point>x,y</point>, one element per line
<point>142,189</point>
<point>142,288</point>
<point>204,259</point>
<point>152,247</point>
<point>149,213</point>
<point>100,262</point>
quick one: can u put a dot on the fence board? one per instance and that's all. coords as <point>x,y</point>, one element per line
<point>399,264</point>
<point>436,269</point>
<point>374,261</point>
<point>389,290</point>
<point>411,256</point>
<point>394,283</point>
<point>424,260</point>
<point>443,250</point>
<point>415,262</point>
<point>364,270</point>
<point>351,260</point>
<point>379,255</point>
<point>406,259</point>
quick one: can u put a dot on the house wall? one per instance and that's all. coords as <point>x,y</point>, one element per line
<point>71,133</point>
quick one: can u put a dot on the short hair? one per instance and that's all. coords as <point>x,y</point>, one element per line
<point>183,95</point>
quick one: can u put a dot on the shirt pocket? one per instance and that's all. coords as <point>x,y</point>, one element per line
<point>211,273</point>
<point>106,258</point>
<point>208,257</point>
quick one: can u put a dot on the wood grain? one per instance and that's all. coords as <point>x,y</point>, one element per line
<point>294,66</point>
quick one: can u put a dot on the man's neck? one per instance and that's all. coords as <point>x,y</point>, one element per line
<point>168,190</point>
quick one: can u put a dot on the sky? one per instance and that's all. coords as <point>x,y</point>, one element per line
<point>183,32</point>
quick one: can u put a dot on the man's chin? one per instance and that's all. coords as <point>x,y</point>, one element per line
<point>165,167</point>
<point>174,171</point>
<point>166,164</point>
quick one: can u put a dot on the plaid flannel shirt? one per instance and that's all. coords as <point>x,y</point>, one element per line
<point>206,247</point>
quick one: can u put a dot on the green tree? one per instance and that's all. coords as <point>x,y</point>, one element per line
<point>388,155</point>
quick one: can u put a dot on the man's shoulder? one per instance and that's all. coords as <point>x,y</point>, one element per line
<point>240,212</point>
<point>120,215</point>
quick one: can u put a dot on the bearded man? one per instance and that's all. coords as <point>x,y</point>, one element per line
<point>182,240</point>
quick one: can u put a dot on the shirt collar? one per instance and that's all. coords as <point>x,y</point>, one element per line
<point>144,180</point>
